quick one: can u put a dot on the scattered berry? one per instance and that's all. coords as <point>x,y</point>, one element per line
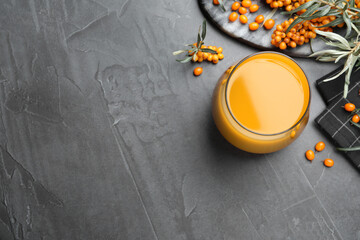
<point>242,10</point>
<point>198,71</point>
<point>269,24</point>
<point>235,6</point>
<point>259,19</point>
<point>355,118</point>
<point>320,146</point>
<point>329,162</point>
<point>253,26</point>
<point>233,16</point>
<point>310,155</point>
<point>243,19</point>
<point>254,8</point>
<point>246,3</point>
<point>349,107</point>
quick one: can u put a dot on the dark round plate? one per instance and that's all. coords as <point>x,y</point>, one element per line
<point>260,38</point>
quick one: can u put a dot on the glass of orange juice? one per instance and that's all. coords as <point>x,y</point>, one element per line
<point>261,104</point>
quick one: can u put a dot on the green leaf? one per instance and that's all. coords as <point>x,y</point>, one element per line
<point>203,34</point>
<point>328,52</point>
<point>296,21</point>
<point>179,52</point>
<point>348,23</point>
<point>340,57</point>
<point>349,149</point>
<point>221,2</point>
<point>208,50</point>
<point>351,59</point>
<point>335,37</point>
<point>337,21</point>
<point>355,124</point>
<point>337,75</point>
<point>351,3</point>
<point>310,10</point>
<point>198,37</point>
<point>185,60</point>
<point>301,7</point>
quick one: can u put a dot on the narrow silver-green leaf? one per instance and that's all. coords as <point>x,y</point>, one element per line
<point>296,21</point>
<point>337,21</point>
<point>335,37</point>
<point>348,23</point>
<point>208,50</point>
<point>179,52</point>
<point>349,149</point>
<point>221,2</point>
<point>203,34</point>
<point>185,60</point>
<point>301,7</point>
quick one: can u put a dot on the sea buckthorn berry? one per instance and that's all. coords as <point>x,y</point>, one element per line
<point>233,16</point>
<point>216,2</point>
<point>221,56</point>
<point>349,107</point>
<point>310,155</point>
<point>242,10</point>
<point>355,118</point>
<point>269,1</point>
<point>235,6</point>
<point>329,162</point>
<point>277,39</point>
<point>205,55</point>
<point>215,58</point>
<point>282,46</point>
<point>219,50</point>
<point>280,4</point>
<point>288,8</point>
<point>200,59</point>
<point>243,19</point>
<point>198,71</point>
<point>259,19</point>
<point>279,27</point>
<point>253,26</point>
<point>320,146</point>
<point>246,3</point>
<point>274,5</point>
<point>195,58</point>
<point>269,24</point>
<point>210,58</point>
<point>254,8</point>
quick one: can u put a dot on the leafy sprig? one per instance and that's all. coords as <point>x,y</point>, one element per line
<point>341,48</point>
<point>195,48</point>
<point>344,11</point>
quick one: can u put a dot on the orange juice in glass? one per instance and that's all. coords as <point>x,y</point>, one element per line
<point>261,104</point>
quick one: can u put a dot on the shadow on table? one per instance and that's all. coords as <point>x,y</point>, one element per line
<point>225,151</point>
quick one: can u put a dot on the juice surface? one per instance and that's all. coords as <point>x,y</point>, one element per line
<point>268,93</point>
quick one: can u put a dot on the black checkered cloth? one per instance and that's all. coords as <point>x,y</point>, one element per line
<point>335,121</point>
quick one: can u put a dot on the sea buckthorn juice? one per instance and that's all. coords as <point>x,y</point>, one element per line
<point>261,104</point>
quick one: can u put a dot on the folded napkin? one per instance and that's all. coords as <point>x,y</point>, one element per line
<point>334,120</point>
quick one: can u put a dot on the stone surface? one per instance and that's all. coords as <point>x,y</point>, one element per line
<point>103,135</point>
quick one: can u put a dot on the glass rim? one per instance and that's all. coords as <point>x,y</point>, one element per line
<point>228,105</point>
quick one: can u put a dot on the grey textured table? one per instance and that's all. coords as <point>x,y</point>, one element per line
<point>103,135</point>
